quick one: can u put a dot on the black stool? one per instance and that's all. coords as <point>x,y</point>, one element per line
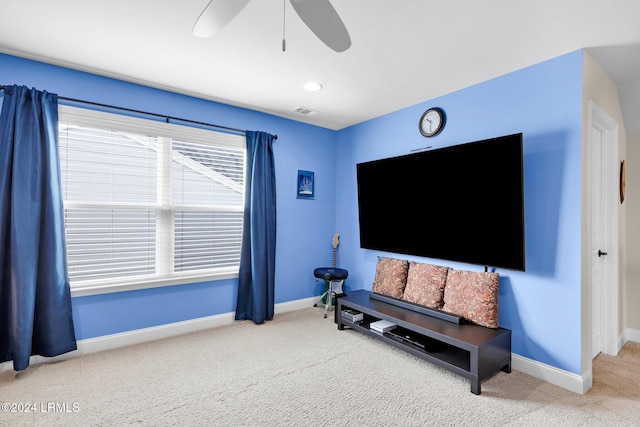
<point>334,278</point>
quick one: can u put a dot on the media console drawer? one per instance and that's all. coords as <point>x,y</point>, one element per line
<point>472,351</point>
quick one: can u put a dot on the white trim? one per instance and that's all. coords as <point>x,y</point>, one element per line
<point>630,335</point>
<point>97,287</point>
<point>573,382</point>
<point>139,336</point>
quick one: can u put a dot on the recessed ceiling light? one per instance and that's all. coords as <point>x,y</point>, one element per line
<point>313,86</point>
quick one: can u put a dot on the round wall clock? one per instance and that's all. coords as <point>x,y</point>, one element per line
<point>432,122</point>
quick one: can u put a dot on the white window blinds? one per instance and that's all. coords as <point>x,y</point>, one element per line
<point>147,200</point>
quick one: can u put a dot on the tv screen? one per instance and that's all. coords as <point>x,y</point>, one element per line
<point>462,203</point>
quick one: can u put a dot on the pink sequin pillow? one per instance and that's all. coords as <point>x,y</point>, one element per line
<point>391,277</point>
<point>425,284</point>
<point>473,296</point>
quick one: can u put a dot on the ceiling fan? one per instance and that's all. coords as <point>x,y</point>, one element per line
<point>319,15</point>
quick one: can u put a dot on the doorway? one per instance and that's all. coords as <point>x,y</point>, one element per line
<point>603,208</point>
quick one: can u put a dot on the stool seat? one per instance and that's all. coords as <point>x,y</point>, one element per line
<point>334,278</point>
<point>330,273</point>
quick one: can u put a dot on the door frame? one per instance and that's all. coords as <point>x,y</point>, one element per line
<point>609,293</point>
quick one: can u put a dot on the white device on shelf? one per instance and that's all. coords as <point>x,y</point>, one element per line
<point>382,326</point>
<point>352,315</point>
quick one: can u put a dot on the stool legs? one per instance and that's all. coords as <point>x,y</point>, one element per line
<point>334,287</point>
<point>326,304</point>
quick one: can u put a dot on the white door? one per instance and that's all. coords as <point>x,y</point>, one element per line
<point>604,202</point>
<point>598,240</point>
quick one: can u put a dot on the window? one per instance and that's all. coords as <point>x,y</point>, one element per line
<point>148,203</point>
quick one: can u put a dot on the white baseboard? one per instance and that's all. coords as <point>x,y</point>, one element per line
<point>630,335</point>
<point>573,382</point>
<point>138,336</point>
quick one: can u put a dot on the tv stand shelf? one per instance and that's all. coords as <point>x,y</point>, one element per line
<point>472,351</point>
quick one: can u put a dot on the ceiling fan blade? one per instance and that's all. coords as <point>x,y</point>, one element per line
<point>323,20</point>
<point>216,15</point>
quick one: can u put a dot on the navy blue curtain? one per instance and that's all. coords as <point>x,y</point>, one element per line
<point>258,256</point>
<point>35,299</point>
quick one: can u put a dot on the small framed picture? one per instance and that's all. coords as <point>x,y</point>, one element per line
<point>306,188</point>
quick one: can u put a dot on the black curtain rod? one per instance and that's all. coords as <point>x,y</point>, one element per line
<point>146,113</point>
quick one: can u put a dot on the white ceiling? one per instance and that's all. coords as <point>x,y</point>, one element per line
<point>403,51</point>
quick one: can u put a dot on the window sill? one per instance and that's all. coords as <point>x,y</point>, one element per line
<point>98,288</point>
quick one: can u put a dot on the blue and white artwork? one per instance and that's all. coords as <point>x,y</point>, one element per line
<point>305,184</point>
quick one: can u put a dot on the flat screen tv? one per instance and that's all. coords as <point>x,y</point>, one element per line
<point>462,203</point>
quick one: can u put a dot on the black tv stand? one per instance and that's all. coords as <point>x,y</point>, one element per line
<point>470,350</point>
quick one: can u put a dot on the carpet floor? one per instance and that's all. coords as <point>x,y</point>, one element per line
<point>299,370</point>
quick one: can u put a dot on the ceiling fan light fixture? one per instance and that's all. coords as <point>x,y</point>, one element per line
<point>318,15</point>
<point>323,21</point>
<point>312,86</point>
<point>216,15</point>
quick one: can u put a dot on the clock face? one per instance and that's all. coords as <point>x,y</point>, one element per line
<point>432,122</point>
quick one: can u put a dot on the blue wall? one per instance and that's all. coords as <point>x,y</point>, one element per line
<point>544,102</point>
<point>305,227</point>
<point>541,305</point>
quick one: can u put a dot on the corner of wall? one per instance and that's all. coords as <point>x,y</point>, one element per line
<point>599,88</point>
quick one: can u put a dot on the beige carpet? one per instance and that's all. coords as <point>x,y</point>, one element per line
<point>299,370</point>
